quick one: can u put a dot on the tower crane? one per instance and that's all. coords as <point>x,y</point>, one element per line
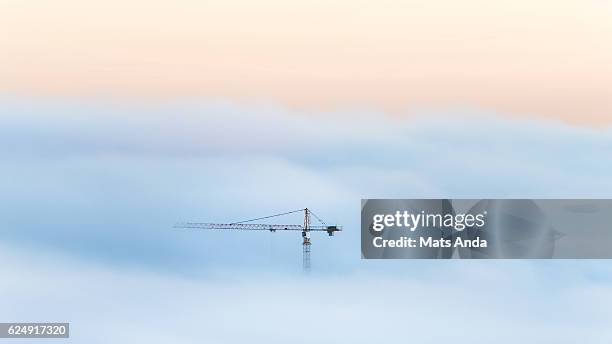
<point>248,225</point>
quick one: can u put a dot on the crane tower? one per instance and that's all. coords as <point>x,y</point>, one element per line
<point>248,225</point>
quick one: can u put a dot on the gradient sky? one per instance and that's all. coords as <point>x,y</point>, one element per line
<point>544,58</point>
<point>120,118</point>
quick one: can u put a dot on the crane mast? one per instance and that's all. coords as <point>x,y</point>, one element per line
<point>247,225</point>
<point>306,243</point>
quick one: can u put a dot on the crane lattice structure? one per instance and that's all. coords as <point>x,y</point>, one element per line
<point>247,225</point>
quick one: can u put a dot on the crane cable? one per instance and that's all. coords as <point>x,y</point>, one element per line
<point>316,217</point>
<point>267,217</point>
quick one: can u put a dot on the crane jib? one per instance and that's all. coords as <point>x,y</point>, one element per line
<point>229,226</point>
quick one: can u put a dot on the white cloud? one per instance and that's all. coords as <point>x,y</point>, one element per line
<point>106,181</point>
<point>462,302</point>
<point>99,185</point>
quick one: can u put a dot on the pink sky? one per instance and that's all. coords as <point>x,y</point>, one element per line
<point>552,59</point>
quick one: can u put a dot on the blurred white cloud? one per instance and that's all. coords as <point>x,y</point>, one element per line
<point>89,192</point>
<point>462,302</point>
<point>106,181</point>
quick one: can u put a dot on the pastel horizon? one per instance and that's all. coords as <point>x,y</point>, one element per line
<point>394,56</point>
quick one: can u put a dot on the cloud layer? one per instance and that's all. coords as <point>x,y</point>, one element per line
<point>107,181</point>
<point>463,302</point>
<point>91,189</point>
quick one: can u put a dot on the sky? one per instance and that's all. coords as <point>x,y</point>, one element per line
<point>542,58</point>
<point>118,119</point>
